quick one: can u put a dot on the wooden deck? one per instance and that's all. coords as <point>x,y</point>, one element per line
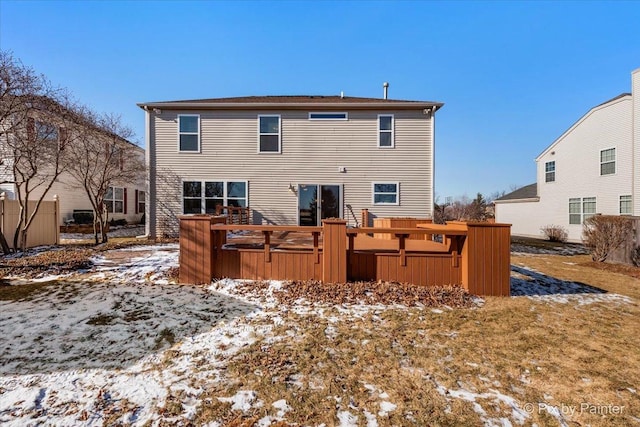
<point>475,255</point>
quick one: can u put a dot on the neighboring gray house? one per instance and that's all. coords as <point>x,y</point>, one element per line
<point>594,167</point>
<point>291,159</point>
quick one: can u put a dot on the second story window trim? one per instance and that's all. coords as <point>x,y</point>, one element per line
<point>189,133</point>
<point>386,131</point>
<point>608,161</point>
<point>550,171</point>
<point>269,134</point>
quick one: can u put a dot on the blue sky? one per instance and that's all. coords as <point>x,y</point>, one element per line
<point>513,75</point>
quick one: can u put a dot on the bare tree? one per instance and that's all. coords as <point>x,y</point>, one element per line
<point>100,158</point>
<point>34,117</point>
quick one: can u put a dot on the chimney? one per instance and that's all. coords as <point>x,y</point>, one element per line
<point>385,89</point>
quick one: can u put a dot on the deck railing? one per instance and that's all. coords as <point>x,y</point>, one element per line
<point>474,255</point>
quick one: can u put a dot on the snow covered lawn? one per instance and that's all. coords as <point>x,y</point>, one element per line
<point>121,344</point>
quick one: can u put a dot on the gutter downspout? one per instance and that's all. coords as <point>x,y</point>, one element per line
<point>149,212</point>
<point>432,114</point>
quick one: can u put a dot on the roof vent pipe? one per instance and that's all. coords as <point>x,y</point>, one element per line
<point>385,88</point>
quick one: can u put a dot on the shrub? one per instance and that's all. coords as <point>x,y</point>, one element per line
<point>555,233</point>
<point>83,217</point>
<point>117,222</point>
<point>603,234</point>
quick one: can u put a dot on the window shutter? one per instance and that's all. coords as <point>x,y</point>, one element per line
<point>125,201</point>
<point>31,129</point>
<point>136,203</point>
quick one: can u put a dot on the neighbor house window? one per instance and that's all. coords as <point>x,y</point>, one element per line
<point>46,131</point>
<point>140,201</point>
<point>385,193</point>
<point>328,116</point>
<point>385,131</point>
<point>581,209</point>
<point>608,161</point>
<point>189,132</point>
<point>204,196</point>
<point>550,171</point>
<point>625,205</point>
<point>269,134</point>
<point>588,207</point>
<point>114,200</point>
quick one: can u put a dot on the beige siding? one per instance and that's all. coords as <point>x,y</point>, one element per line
<point>312,153</point>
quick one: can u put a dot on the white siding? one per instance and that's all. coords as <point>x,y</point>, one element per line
<point>635,91</point>
<point>577,161</point>
<point>312,153</point>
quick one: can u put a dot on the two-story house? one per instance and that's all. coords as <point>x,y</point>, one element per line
<point>49,124</point>
<point>593,167</point>
<point>293,160</point>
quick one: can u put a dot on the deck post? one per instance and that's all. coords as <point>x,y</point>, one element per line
<point>334,251</point>
<point>196,263</point>
<point>486,259</point>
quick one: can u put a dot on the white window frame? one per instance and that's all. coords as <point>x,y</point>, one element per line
<point>392,131</point>
<point>582,203</point>
<point>346,115</point>
<point>614,161</point>
<point>180,150</point>
<point>203,198</point>
<point>547,172</point>
<point>112,202</point>
<point>142,199</point>
<point>627,198</point>
<point>279,134</point>
<point>373,193</point>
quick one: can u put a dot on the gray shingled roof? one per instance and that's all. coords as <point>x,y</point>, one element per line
<point>293,102</point>
<point>527,192</point>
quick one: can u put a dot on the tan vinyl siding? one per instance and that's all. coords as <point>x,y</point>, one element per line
<point>635,91</point>
<point>312,153</point>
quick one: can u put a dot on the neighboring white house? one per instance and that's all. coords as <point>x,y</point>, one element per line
<point>291,159</point>
<point>594,167</point>
<point>123,200</point>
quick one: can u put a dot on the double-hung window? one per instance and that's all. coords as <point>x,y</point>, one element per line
<point>626,207</point>
<point>114,200</point>
<point>140,201</point>
<point>204,196</point>
<point>385,193</point>
<point>608,161</point>
<point>581,209</point>
<point>550,171</point>
<point>385,131</point>
<point>269,134</point>
<point>189,132</point>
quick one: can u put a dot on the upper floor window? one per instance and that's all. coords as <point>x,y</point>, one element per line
<point>385,193</point>
<point>385,131</point>
<point>114,200</point>
<point>189,132</point>
<point>269,134</point>
<point>608,161</point>
<point>328,116</point>
<point>550,171</point>
<point>626,207</point>
<point>45,131</point>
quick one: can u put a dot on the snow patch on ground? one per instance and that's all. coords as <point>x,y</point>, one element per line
<point>123,341</point>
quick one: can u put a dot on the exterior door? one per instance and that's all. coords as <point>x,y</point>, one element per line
<point>317,202</point>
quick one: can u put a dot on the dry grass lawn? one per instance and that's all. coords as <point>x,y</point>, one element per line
<point>504,360</point>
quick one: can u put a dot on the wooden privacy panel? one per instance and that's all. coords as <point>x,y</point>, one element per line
<point>252,264</point>
<point>421,269</point>
<point>474,255</point>
<point>486,259</point>
<point>401,223</point>
<point>196,264</point>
